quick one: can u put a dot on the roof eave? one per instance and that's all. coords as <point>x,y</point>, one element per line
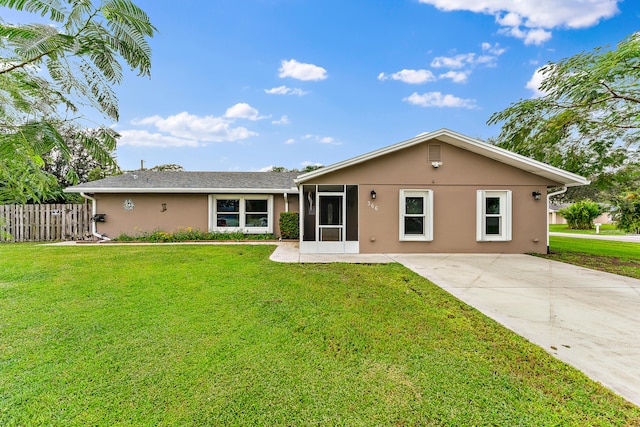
<point>115,190</point>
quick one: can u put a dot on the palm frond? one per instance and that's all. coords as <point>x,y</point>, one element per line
<point>54,8</point>
<point>98,90</point>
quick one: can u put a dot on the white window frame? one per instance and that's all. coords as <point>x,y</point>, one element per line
<point>213,214</point>
<point>427,213</point>
<point>505,216</point>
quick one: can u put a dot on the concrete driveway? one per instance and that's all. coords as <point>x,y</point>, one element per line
<point>586,318</point>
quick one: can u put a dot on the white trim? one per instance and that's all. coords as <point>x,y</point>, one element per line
<point>461,141</point>
<point>182,190</point>
<point>427,196</point>
<point>506,215</point>
<point>213,225</point>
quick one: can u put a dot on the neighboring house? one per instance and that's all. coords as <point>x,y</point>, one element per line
<point>556,218</point>
<point>438,192</point>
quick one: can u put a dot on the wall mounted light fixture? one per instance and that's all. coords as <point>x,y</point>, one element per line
<point>164,207</point>
<point>373,194</point>
<point>536,195</point>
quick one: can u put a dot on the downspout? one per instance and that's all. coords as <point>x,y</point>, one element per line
<point>286,202</point>
<point>94,210</point>
<point>549,195</point>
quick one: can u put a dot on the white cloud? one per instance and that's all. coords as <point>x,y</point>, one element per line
<point>301,71</point>
<point>456,76</point>
<point>535,82</point>
<point>493,49</point>
<point>143,138</point>
<point>437,99</point>
<point>537,36</point>
<point>266,168</point>
<point>284,120</point>
<point>283,90</point>
<point>290,141</point>
<point>457,61</point>
<point>535,16</point>
<point>184,129</point>
<point>322,139</point>
<point>409,76</point>
<point>242,110</point>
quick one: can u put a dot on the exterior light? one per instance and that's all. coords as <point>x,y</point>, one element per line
<point>536,195</point>
<point>373,194</point>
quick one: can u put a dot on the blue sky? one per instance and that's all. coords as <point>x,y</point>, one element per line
<point>250,84</point>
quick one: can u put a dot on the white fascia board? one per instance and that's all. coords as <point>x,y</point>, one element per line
<point>461,141</point>
<point>183,190</point>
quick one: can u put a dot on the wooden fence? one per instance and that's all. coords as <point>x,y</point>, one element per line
<point>39,223</point>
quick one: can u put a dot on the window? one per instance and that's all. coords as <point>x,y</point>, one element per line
<point>416,215</point>
<point>493,216</point>
<point>247,214</point>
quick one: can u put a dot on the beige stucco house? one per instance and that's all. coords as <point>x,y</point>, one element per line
<point>437,192</point>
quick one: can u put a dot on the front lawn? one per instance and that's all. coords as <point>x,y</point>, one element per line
<point>614,257</point>
<point>219,335</point>
<point>605,229</point>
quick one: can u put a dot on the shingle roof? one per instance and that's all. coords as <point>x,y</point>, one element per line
<point>191,182</point>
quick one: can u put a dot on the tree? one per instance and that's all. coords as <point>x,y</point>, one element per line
<point>588,119</point>
<point>167,167</point>
<point>49,73</point>
<point>580,215</point>
<point>626,211</point>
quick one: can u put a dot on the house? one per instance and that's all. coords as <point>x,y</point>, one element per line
<point>146,201</point>
<point>438,192</point>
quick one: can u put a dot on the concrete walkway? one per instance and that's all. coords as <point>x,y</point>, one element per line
<point>586,318</point>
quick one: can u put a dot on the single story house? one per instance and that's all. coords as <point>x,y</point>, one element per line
<point>438,192</point>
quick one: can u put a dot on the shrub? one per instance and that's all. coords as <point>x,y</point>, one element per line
<point>580,215</point>
<point>626,212</point>
<point>189,235</point>
<point>289,225</point>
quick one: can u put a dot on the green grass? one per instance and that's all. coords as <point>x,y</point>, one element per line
<point>605,229</point>
<point>614,257</point>
<point>219,335</point>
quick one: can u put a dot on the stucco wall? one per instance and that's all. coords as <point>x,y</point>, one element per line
<point>182,211</point>
<point>454,185</point>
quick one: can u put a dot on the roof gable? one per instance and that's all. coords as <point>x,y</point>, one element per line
<point>464,142</point>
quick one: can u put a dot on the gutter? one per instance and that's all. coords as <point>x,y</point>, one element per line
<point>94,210</point>
<point>549,195</point>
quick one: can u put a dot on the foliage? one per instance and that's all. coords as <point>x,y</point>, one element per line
<point>626,211</point>
<point>167,167</point>
<point>580,215</point>
<point>308,168</point>
<point>50,72</point>
<point>588,119</point>
<point>289,225</point>
<point>219,335</point>
<point>190,234</point>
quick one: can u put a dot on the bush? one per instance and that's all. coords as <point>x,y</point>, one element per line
<point>580,215</point>
<point>626,212</point>
<point>289,225</point>
<point>189,235</point>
